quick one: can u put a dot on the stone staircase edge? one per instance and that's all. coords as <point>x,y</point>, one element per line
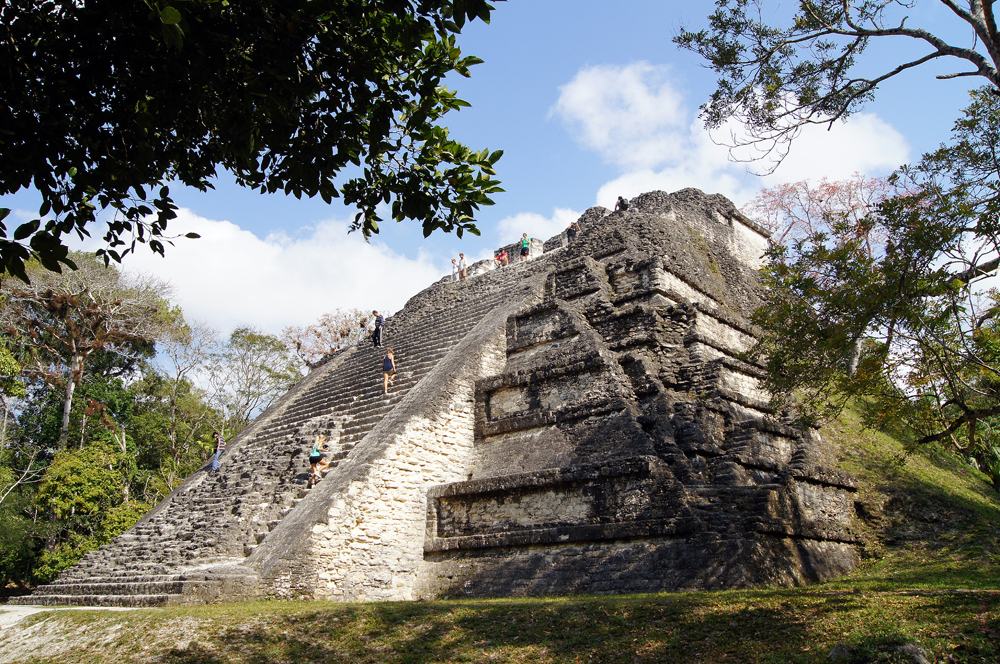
<point>247,434</point>
<point>298,525</point>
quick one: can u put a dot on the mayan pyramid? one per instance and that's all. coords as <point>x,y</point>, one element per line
<point>578,423</point>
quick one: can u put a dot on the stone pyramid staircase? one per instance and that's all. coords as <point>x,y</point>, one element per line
<point>190,548</point>
<point>581,422</point>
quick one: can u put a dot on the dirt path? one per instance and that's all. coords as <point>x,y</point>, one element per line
<point>40,640</point>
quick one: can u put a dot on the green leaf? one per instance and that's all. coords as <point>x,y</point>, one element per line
<point>24,230</point>
<point>170,16</point>
<point>173,35</point>
<point>292,116</point>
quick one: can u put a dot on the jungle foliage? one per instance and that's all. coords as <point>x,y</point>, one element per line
<point>897,308</point>
<point>105,103</point>
<point>76,472</point>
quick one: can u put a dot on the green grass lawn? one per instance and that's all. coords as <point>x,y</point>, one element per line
<point>803,625</point>
<point>928,580</point>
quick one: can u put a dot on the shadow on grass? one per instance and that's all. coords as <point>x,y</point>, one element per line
<point>939,573</point>
<point>783,626</point>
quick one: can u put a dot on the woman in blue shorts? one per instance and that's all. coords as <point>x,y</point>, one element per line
<point>388,369</point>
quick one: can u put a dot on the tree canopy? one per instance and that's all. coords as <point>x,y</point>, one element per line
<point>334,330</point>
<point>80,465</point>
<point>105,103</point>
<point>779,72</point>
<point>248,373</point>
<point>895,306</point>
<point>60,321</point>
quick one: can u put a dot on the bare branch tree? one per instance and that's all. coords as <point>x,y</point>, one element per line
<point>780,73</point>
<point>333,331</point>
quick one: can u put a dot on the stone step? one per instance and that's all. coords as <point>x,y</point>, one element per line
<point>134,578</point>
<point>118,588</point>
<point>99,600</point>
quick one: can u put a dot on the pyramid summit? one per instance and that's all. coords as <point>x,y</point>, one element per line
<point>577,423</point>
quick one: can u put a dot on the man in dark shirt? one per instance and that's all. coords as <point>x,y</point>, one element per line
<point>377,334</point>
<point>571,232</point>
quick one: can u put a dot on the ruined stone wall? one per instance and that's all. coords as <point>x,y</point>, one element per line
<point>582,422</point>
<point>625,446</point>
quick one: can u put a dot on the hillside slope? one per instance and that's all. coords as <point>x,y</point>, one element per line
<point>927,590</point>
<point>931,521</point>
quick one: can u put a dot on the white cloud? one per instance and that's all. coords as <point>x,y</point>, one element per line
<point>863,144</point>
<point>535,225</point>
<point>686,175</point>
<point>230,277</point>
<point>631,115</point>
<point>634,118</point>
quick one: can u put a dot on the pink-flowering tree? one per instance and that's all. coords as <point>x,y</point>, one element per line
<point>796,210</point>
<point>337,329</point>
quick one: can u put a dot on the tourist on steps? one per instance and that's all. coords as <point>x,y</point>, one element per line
<point>571,231</point>
<point>220,447</point>
<point>377,333</point>
<point>525,247</point>
<point>462,265</point>
<point>621,205</point>
<point>388,370</point>
<point>319,464</point>
<point>454,270</point>
<point>501,259</point>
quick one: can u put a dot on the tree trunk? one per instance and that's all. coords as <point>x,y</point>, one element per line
<point>852,362</point>
<point>75,371</point>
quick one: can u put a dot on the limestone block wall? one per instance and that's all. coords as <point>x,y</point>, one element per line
<point>371,545</point>
<point>626,447</point>
<point>359,534</point>
<point>749,241</point>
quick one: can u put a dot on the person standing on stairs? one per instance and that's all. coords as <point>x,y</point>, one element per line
<point>377,333</point>
<point>220,448</point>
<point>571,231</point>
<point>316,460</point>
<point>454,270</point>
<point>462,265</point>
<point>388,370</point>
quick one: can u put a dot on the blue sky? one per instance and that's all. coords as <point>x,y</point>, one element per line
<point>588,100</point>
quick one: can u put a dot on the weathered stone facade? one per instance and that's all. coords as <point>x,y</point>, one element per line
<point>581,422</point>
